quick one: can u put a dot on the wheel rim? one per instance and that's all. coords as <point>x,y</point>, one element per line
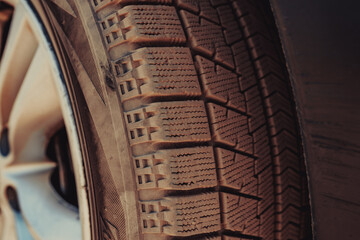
<point>34,106</point>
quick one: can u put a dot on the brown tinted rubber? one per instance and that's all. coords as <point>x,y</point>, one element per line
<point>209,117</point>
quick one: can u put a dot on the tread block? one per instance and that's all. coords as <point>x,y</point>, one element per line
<point>288,231</point>
<point>290,215</point>
<point>241,69</point>
<point>252,26</point>
<point>280,121</point>
<point>230,128</point>
<point>260,46</point>
<point>176,169</point>
<point>255,108</point>
<point>289,197</point>
<point>283,141</point>
<point>182,215</point>
<point>243,7</point>
<point>266,66</point>
<point>243,65</point>
<point>203,7</point>
<point>164,123</point>
<point>100,4</point>
<point>232,31</point>
<point>232,238</point>
<point>210,238</point>
<point>236,171</point>
<point>289,178</point>
<point>240,214</point>
<point>155,72</point>
<point>190,5</point>
<point>267,227</point>
<point>262,149</point>
<point>286,159</point>
<point>220,84</point>
<point>266,189</point>
<point>251,18</point>
<point>216,3</point>
<point>207,37</point>
<point>141,24</point>
<point>277,102</point>
<point>271,84</point>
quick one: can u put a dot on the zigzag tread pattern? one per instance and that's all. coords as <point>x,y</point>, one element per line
<point>280,114</point>
<point>205,100</point>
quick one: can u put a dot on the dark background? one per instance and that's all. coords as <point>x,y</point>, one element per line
<point>321,40</point>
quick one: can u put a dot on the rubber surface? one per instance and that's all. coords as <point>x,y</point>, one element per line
<point>209,117</point>
<point>321,40</point>
<point>204,95</point>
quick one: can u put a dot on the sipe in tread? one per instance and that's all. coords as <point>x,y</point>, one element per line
<point>209,118</point>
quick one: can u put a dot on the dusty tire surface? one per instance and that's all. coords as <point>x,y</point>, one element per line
<point>200,115</point>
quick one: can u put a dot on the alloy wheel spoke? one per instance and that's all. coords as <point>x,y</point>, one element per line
<point>33,108</point>
<point>36,113</point>
<point>8,228</point>
<point>38,198</point>
<point>21,42</point>
<point>29,168</point>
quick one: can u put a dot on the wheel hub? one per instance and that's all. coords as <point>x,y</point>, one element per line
<point>39,188</point>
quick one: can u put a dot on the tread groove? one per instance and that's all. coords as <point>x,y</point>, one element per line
<point>208,116</point>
